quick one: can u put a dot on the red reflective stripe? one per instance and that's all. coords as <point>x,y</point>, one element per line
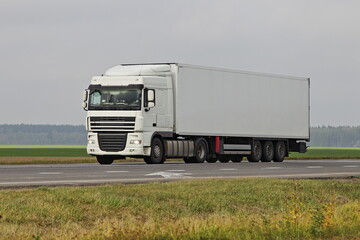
<point>217,144</point>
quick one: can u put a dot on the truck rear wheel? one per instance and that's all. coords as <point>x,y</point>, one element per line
<point>236,158</point>
<point>105,160</point>
<point>224,158</point>
<point>201,152</point>
<point>267,151</point>
<point>256,152</point>
<point>211,160</point>
<point>280,152</point>
<point>157,155</point>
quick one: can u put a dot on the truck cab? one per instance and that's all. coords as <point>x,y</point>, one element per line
<point>126,107</point>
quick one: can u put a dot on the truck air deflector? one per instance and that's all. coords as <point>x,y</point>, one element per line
<point>139,70</point>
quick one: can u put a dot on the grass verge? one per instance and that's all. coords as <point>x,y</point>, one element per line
<point>201,209</point>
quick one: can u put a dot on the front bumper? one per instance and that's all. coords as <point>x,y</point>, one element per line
<point>133,147</point>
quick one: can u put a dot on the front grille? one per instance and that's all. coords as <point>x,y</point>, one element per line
<point>121,124</point>
<point>112,142</point>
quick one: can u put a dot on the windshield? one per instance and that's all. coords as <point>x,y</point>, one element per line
<point>115,98</point>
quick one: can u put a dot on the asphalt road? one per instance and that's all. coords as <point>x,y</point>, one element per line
<point>92,174</point>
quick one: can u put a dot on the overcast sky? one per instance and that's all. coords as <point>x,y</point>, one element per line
<point>49,50</point>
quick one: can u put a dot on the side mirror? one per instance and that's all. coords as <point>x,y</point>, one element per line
<point>151,95</point>
<point>84,105</point>
<point>85,99</point>
<point>85,95</point>
<point>149,98</point>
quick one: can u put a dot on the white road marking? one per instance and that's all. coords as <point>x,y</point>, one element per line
<point>169,174</point>
<point>50,173</point>
<point>270,168</point>
<point>351,166</point>
<point>175,170</point>
<point>228,169</point>
<point>315,167</point>
<point>116,171</point>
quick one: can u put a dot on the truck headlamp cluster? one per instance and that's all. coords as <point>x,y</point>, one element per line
<point>137,142</point>
<point>91,141</point>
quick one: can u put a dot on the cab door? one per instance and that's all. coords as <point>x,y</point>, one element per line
<point>150,110</point>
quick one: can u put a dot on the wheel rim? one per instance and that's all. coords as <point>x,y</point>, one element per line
<point>268,150</point>
<point>201,151</point>
<point>157,151</point>
<point>281,150</point>
<point>257,150</point>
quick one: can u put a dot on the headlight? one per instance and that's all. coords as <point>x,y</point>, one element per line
<point>91,141</point>
<point>137,142</point>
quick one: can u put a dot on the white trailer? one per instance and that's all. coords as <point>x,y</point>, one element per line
<point>155,111</point>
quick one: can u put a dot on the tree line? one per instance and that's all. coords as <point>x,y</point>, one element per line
<point>322,136</point>
<point>42,134</point>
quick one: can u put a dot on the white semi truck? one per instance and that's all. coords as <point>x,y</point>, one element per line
<point>171,110</point>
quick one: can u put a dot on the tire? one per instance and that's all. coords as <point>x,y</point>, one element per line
<point>236,158</point>
<point>224,158</point>
<point>267,151</point>
<point>189,160</point>
<point>105,160</point>
<point>279,152</point>
<point>211,160</point>
<point>157,155</point>
<point>200,151</point>
<point>256,152</point>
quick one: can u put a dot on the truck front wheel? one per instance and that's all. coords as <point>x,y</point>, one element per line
<point>157,155</point>
<point>104,160</point>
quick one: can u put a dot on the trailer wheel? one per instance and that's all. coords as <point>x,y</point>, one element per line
<point>236,158</point>
<point>224,158</point>
<point>200,152</point>
<point>157,155</point>
<point>280,151</point>
<point>267,152</point>
<point>256,152</point>
<point>105,160</point>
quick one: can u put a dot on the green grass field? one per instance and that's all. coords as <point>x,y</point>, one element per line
<point>43,151</point>
<point>328,152</point>
<point>198,209</point>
